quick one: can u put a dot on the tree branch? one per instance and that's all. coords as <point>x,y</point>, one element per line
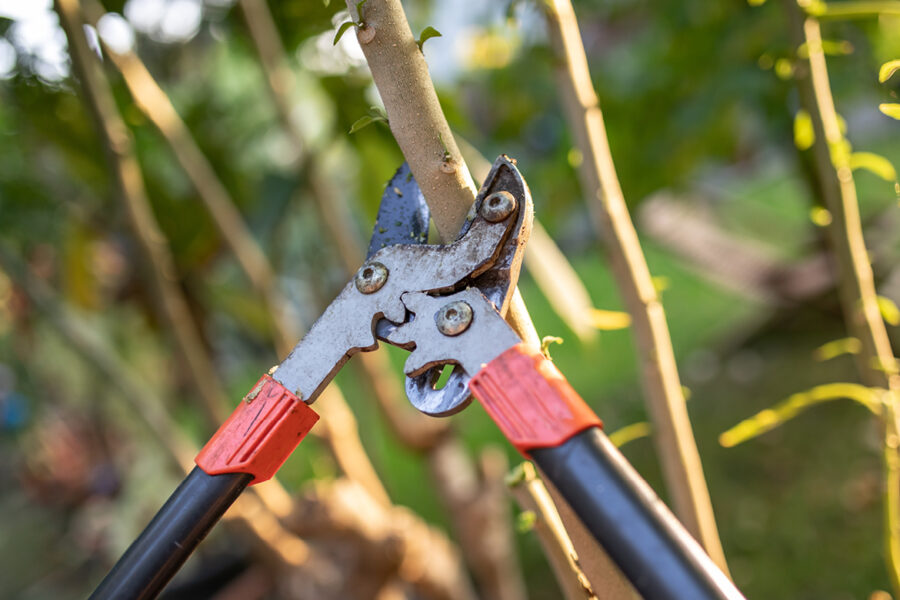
<point>532,497</point>
<point>856,283</point>
<point>676,448</point>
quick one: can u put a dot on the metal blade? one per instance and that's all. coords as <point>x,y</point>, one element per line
<point>403,214</point>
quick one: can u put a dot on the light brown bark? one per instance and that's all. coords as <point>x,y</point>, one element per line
<point>674,438</point>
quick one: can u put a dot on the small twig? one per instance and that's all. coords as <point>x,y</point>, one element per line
<point>676,448</point>
<point>129,186</point>
<point>852,10</point>
<point>876,361</point>
<point>531,495</point>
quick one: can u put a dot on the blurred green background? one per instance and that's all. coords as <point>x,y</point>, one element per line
<point>697,116</point>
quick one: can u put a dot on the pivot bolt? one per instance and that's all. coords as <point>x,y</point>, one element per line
<point>498,206</point>
<point>453,318</point>
<point>371,277</point>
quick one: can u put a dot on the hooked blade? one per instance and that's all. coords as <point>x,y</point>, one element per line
<point>403,214</point>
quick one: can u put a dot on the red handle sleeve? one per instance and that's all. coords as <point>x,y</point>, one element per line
<point>260,434</point>
<point>530,400</point>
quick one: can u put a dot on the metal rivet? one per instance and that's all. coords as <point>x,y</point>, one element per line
<point>371,277</point>
<point>498,206</point>
<point>453,318</point>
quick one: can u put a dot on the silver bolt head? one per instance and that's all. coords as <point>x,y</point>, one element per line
<point>371,277</point>
<point>498,206</point>
<point>453,318</point>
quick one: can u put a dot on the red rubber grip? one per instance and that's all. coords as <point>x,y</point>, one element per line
<point>260,434</point>
<point>530,400</point>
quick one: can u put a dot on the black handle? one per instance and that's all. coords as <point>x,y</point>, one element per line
<point>639,533</point>
<point>173,534</point>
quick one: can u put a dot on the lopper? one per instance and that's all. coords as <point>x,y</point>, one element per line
<point>444,303</point>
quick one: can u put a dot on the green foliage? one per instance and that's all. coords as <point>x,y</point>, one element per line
<point>629,433</point>
<point>835,348</point>
<point>779,414</point>
<point>427,34</point>
<point>890,109</point>
<point>889,311</point>
<point>341,31</point>
<point>376,115</point>
<point>887,70</point>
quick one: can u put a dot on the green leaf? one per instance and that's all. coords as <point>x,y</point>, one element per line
<point>888,69</point>
<point>848,345</point>
<point>326,3</point>
<point>359,11</point>
<point>609,320</point>
<point>891,110</point>
<point>545,344</point>
<point>769,419</point>
<point>427,34</point>
<point>525,521</point>
<point>629,433</point>
<point>820,216</point>
<point>889,311</point>
<point>804,135</point>
<point>341,31</point>
<point>363,122</point>
<point>874,163</point>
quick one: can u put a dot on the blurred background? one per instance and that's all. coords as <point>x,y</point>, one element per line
<point>700,111</point>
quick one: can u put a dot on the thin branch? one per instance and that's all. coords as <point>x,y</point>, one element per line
<point>532,497</point>
<point>129,186</point>
<point>852,10</point>
<point>676,448</point>
<point>339,429</point>
<point>856,283</point>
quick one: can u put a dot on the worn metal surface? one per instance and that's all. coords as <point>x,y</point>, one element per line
<point>402,216</point>
<point>487,337</point>
<point>453,318</point>
<point>347,325</point>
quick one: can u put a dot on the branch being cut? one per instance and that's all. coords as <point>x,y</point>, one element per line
<point>676,448</point>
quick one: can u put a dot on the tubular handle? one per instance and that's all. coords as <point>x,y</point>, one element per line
<point>636,529</point>
<point>542,415</point>
<point>173,534</point>
<point>248,448</point>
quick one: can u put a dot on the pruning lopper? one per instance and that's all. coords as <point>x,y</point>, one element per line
<point>444,303</point>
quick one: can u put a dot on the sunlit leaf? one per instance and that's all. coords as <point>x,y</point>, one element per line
<point>575,158</point>
<point>820,216</point>
<point>756,2</point>
<point>889,311</point>
<point>892,110</point>
<point>525,521</point>
<point>782,412</point>
<point>427,34</point>
<point>341,31</point>
<point>784,68</point>
<point>609,320</point>
<point>848,345</point>
<point>829,48</point>
<point>874,163</point>
<point>545,344</point>
<point>661,283</point>
<point>629,433</point>
<point>804,136</point>
<point>888,69</point>
<point>363,122</point>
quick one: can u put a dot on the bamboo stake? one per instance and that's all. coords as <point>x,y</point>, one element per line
<point>856,284</point>
<point>676,448</point>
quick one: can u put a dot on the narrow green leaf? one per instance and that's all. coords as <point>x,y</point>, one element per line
<point>341,31</point>
<point>427,34</point>
<point>629,433</point>
<point>888,69</point>
<point>359,11</point>
<point>874,163</point>
<point>769,419</point>
<point>377,113</point>
<point>360,123</point>
<point>804,135</point>
<point>525,521</point>
<point>848,345</point>
<point>545,344</point>
<point>889,311</point>
<point>891,110</point>
<point>609,320</point>
<point>326,3</point>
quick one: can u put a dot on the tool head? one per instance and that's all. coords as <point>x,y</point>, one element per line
<point>503,196</point>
